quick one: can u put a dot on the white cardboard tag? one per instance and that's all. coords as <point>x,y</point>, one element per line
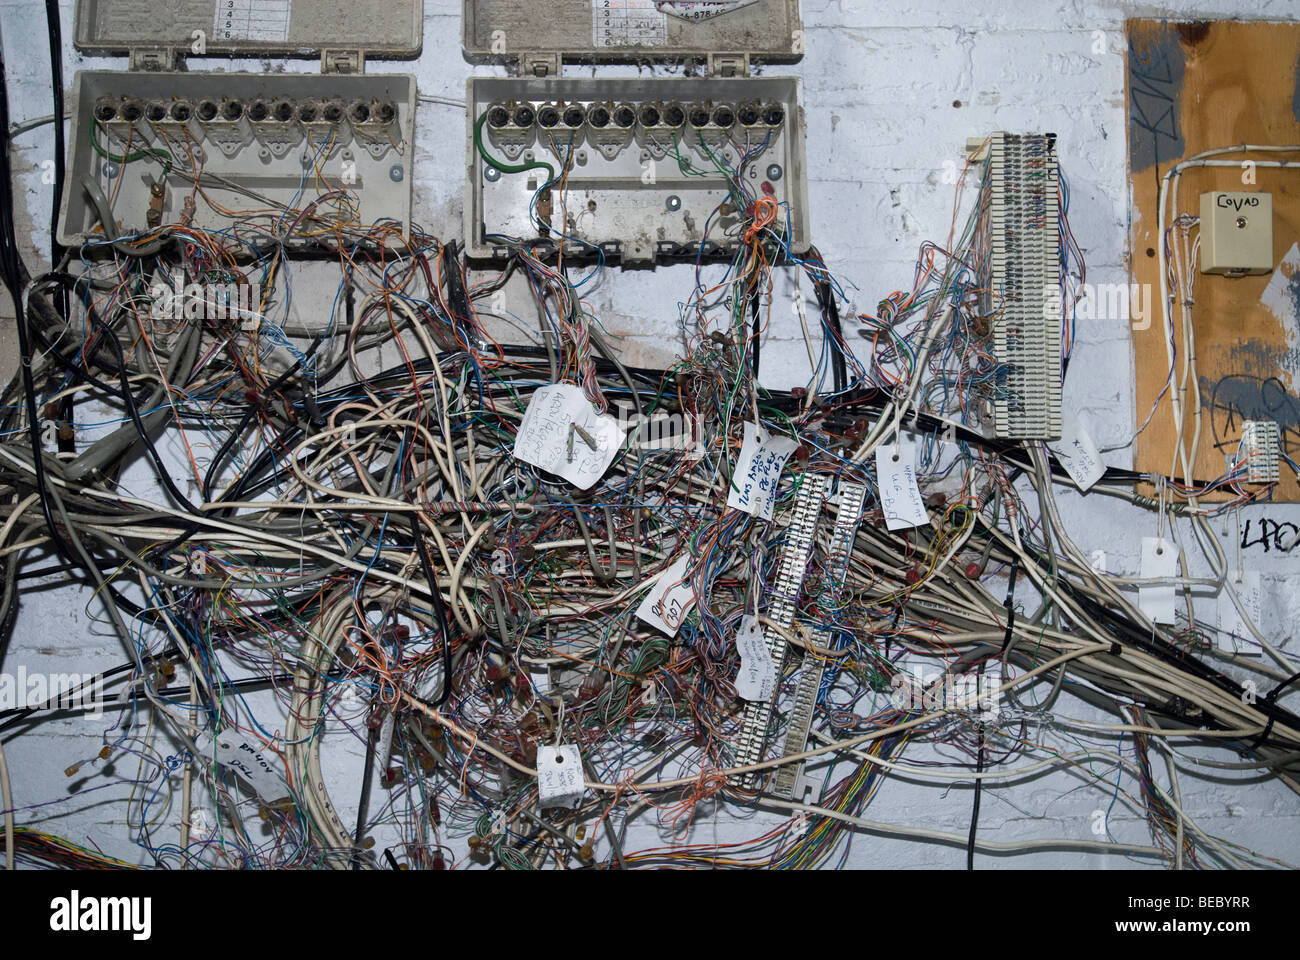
<point>244,758</point>
<point>559,777</point>
<point>547,438</point>
<point>756,679</point>
<point>758,472</point>
<point>670,599</point>
<point>1250,589</point>
<point>1159,559</point>
<point>1078,454</point>
<point>900,495</point>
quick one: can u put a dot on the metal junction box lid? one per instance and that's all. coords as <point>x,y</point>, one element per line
<point>614,31</point>
<point>380,29</point>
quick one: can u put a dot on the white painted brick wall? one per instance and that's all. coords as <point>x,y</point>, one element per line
<point>880,79</point>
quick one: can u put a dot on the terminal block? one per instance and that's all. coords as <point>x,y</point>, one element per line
<point>652,168</point>
<point>1261,451</point>
<point>244,136</point>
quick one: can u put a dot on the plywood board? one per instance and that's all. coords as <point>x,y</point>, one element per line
<point>1194,87</point>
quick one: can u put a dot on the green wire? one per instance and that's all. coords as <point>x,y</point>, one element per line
<point>496,164</point>
<point>161,155</point>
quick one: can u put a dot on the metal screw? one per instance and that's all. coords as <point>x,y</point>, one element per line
<point>110,169</point>
<point>673,203</point>
<point>395,173</point>
<point>491,174</point>
<point>1241,223</point>
<point>774,172</point>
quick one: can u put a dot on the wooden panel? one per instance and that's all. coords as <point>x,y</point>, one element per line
<point>1194,87</point>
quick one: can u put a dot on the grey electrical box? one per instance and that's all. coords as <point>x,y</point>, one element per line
<point>170,144</point>
<point>645,168</point>
<point>618,31</point>
<point>1236,233</point>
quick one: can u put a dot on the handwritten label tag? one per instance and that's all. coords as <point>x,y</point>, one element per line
<point>900,495</point>
<point>1078,454</point>
<point>700,9</point>
<point>758,471</point>
<point>246,760</point>
<point>1159,559</point>
<point>1250,590</point>
<point>670,599</point>
<point>628,23</point>
<point>547,438</point>
<point>756,680</point>
<point>559,777</point>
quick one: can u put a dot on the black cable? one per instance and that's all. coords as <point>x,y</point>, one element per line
<point>67,411</point>
<point>14,275</point>
<point>1010,605</point>
<point>363,802</point>
<point>831,315</point>
<point>164,475</point>
<point>975,807</point>
<point>439,609</point>
<point>1153,644</point>
<point>54,31</point>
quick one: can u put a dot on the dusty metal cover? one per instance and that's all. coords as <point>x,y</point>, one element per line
<point>632,30</point>
<point>377,28</point>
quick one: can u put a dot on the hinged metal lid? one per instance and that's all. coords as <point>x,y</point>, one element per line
<point>158,34</point>
<point>724,34</point>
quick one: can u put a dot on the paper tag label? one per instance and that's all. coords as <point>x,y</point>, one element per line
<point>750,641</point>
<point>252,20</point>
<point>628,23</point>
<point>1159,559</point>
<point>246,760</point>
<point>559,777</point>
<point>900,495</point>
<point>1078,454</point>
<point>1250,590</point>
<point>700,9</point>
<point>551,436</point>
<point>758,472</point>
<point>670,599</point>
<point>756,680</point>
